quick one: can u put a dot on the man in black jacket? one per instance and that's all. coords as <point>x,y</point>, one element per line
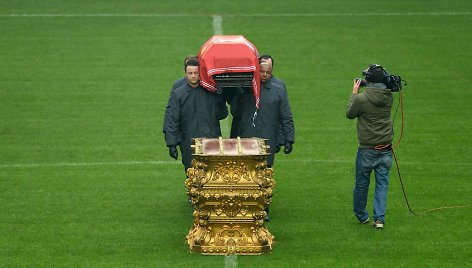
<point>274,113</point>
<point>177,83</point>
<point>194,112</point>
<point>268,58</point>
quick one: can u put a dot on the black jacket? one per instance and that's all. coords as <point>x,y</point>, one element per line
<point>193,113</point>
<point>274,113</point>
<point>177,83</point>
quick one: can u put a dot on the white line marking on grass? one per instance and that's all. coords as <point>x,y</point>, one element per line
<point>218,30</point>
<point>353,161</point>
<point>217,25</point>
<point>357,14</point>
<point>173,162</point>
<point>231,261</point>
<point>89,164</point>
<point>98,15</point>
<point>308,160</point>
<point>451,13</point>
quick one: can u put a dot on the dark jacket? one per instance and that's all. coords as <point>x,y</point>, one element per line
<point>177,83</point>
<point>235,123</point>
<point>274,114</point>
<point>372,109</point>
<point>193,113</point>
<point>280,135</point>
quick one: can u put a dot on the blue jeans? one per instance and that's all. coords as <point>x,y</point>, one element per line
<point>367,160</point>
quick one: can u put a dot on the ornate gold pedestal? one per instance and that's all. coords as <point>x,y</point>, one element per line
<point>229,185</point>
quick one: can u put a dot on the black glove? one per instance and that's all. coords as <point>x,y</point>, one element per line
<point>173,152</point>
<point>288,147</point>
<point>277,148</point>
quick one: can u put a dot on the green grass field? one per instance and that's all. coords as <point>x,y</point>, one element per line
<point>85,177</point>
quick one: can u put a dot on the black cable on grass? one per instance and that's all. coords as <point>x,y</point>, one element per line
<point>400,104</point>
<point>401,182</point>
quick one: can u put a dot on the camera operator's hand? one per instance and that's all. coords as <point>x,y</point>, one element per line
<point>357,84</point>
<point>173,152</point>
<point>288,146</point>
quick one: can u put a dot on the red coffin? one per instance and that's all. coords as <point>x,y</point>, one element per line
<point>229,54</point>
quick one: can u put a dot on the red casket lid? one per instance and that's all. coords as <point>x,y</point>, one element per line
<point>229,54</point>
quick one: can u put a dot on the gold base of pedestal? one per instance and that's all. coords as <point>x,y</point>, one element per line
<point>227,239</point>
<point>229,194</point>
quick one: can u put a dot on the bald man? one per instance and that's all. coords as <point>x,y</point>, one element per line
<point>268,58</point>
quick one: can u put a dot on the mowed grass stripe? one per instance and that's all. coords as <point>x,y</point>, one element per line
<point>247,15</point>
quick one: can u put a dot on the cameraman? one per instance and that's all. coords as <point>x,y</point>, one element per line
<point>375,134</point>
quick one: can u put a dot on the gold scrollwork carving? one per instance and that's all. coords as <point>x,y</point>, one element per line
<point>233,234</point>
<point>231,207</point>
<point>264,176</point>
<point>231,172</point>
